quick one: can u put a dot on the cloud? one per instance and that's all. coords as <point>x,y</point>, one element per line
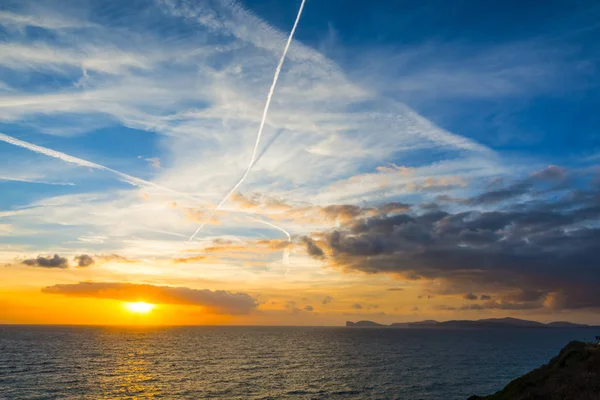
<point>114,258</point>
<point>30,180</point>
<point>496,196</point>
<point>81,261</point>
<point>218,301</point>
<point>327,300</point>
<point>536,248</point>
<point>309,308</point>
<point>47,262</point>
<point>153,161</point>
<point>312,248</point>
<point>186,260</point>
<point>469,296</point>
<point>357,306</point>
<point>485,297</point>
<point>451,70</point>
<point>395,289</point>
<point>476,307</point>
<point>46,20</point>
<point>551,173</point>
<point>339,213</point>
<point>138,76</point>
<point>84,260</point>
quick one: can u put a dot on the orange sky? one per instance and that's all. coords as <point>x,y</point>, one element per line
<point>309,296</point>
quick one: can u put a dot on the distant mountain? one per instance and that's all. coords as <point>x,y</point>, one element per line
<point>363,324</point>
<point>563,324</point>
<point>468,324</point>
<point>420,324</point>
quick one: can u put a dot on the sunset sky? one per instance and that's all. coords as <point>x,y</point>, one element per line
<point>420,160</point>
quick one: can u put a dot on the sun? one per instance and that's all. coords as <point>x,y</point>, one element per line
<point>139,307</point>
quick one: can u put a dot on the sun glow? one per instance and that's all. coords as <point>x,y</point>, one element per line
<point>139,307</point>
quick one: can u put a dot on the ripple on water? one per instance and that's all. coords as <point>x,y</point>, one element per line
<point>267,363</point>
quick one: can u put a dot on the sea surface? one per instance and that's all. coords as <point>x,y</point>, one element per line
<point>40,362</point>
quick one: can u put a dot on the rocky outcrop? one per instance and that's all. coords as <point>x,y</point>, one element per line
<point>572,375</point>
<point>362,324</point>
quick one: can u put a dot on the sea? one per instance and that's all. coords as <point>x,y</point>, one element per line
<point>218,362</point>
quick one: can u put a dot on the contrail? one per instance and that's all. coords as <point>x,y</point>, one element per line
<point>262,123</point>
<point>289,237</point>
<point>132,180</point>
<point>286,252</point>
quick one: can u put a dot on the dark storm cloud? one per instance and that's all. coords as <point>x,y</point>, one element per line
<point>219,301</point>
<point>312,248</point>
<point>494,305</point>
<point>81,261</point>
<point>346,212</point>
<point>84,260</point>
<point>537,250</point>
<point>525,296</point>
<point>394,207</point>
<point>496,196</point>
<point>47,262</point>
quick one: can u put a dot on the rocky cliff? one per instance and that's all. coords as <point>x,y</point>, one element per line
<point>572,375</point>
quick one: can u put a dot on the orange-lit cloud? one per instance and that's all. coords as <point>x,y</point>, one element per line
<point>218,301</point>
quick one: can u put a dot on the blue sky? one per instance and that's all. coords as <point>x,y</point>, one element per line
<point>440,106</point>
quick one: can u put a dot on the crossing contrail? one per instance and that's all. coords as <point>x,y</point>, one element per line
<point>262,123</point>
<point>286,252</point>
<point>132,180</point>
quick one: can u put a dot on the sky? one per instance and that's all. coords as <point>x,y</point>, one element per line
<point>419,160</point>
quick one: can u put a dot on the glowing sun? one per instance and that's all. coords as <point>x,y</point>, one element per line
<point>139,307</point>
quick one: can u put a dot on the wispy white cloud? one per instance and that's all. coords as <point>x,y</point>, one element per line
<point>30,180</point>
<point>45,57</point>
<point>45,20</point>
<point>200,89</point>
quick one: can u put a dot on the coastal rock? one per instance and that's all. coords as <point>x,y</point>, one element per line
<point>362,324</point>
<point>574,375</point>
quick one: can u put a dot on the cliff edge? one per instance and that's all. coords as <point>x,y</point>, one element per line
<point>574,374</point>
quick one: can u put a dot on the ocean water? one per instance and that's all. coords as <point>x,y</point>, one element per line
<point>39,362</point>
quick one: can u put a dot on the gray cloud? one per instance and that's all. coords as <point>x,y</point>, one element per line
<point>357,306</point>
<point>507,193</point>
<point>219,301</point>
<point>551,173</point>
<point>327,300</point>
<point>531,250</point>
<point>47,262</point>
<point>469,296</point>
<point>474,307</point>
<point>84,260</point>
<point>309,308</point>
<point>312,248</point>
